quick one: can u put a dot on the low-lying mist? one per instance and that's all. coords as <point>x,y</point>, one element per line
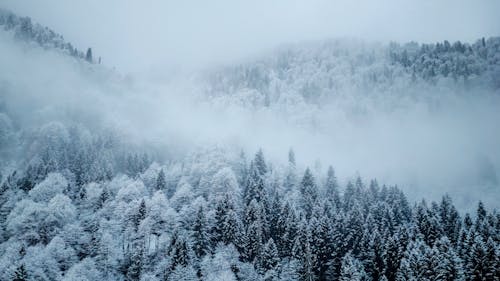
<point>450,145</point>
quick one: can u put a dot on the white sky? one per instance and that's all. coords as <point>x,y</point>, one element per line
<point>136,35</point>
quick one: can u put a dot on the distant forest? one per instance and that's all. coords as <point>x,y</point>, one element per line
<point>79,202</point>
<point>45,37</point>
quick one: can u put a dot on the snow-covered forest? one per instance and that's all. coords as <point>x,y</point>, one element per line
<point>231,172</point>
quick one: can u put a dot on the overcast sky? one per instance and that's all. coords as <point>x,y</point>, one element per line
<point>137,35</point>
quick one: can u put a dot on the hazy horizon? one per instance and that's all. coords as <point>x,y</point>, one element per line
<point>135,37</point>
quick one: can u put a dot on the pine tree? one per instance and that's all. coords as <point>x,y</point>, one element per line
<point>428,223</point>
<point>302,252</point>
<point>161,183</point>
<point>88,56</point>
<point>21,274</point>
<point>492,261</point>
<point>241,168</point>
<point>254,188</point>
<point>286,230</point>
<point>254,240</point>
<point>260,163</point>
<point>201,238</point>
<point>227,228</point>
<point>352,269</point>
<point>103,198</point>
<point>309,193</point>
<point>179,253</point>
<point>331,187</point>
<point>320,244</point>
<point>136,263</point>
<point>232,229</point>
<point>477,263</point>
<point>450,219</point>
<point>290,181</point>
<point>269,261</point>
<point>140,215</point>
<point>416,264</point>
<point>308,262</point>
<point>392,257</point>
<point>445,262</point>
<point>372,256</point>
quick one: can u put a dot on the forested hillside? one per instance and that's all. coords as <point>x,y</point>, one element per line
<point>93,216</point>
<point>318,72</point>
<point>93,185</point>
<point>25,30</point>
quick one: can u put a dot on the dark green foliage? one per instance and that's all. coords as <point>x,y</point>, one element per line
<point>201,237</point>
<point>161,183</point>
<point>21,274</point>
<point>309,192</point>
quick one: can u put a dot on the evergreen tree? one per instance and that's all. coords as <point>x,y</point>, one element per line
<point>352,269</point>
<point>302,252</point>
<point>88,56</point>
<point>291,181</point>
<point>392,257</point>
<point>445,262</point>
<point>450,219</point>
<point>161,183</point>
<point>320,244</point>
<point>309,193</point>
<point>269,261</point>
<point>21,274</point>
<point>254,188</point>
<point>136,263</point>
<point>286,230</point>
<point>477,264</point>
<point>140,215</point>
<point>492,261</point>
<point>254,240</point>
<point>241,168</point>
<point>260,163</point>
<point>373,261</point>
<point>179,253</point>
<point>228,228</point>
<point>331,187</point>
<point>201,238</point>
<point>416,264</point>
<point>428,223</point>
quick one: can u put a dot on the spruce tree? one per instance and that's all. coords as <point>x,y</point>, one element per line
<point>254,188</point>
<point>352,269</point>
<point>88,56</point>
<point>260,163</point>
<point>331,187</point>
<point>201,238</point>
<point>20,274</point>
<point>309,193</point>
<point>161,183</point>
<point>269,261</point>
<point>136,263</point>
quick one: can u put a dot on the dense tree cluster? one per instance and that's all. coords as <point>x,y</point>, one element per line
<point>458,60</point>
<point>87,210</point>
<point>81,204</point>
<point>25,30</point>
<point>319,71</point>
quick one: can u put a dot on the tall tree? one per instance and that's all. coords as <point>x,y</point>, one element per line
<point>88,56</point>
<point>352,269</point>
<point>201,238</point>
<point>161,183</point>
<point>21,274</point>
<point>309,193</point>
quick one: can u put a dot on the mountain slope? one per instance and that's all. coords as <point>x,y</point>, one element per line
<point>24,29</point>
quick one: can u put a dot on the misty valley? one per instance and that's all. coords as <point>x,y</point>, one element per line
<point>332,159</point>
